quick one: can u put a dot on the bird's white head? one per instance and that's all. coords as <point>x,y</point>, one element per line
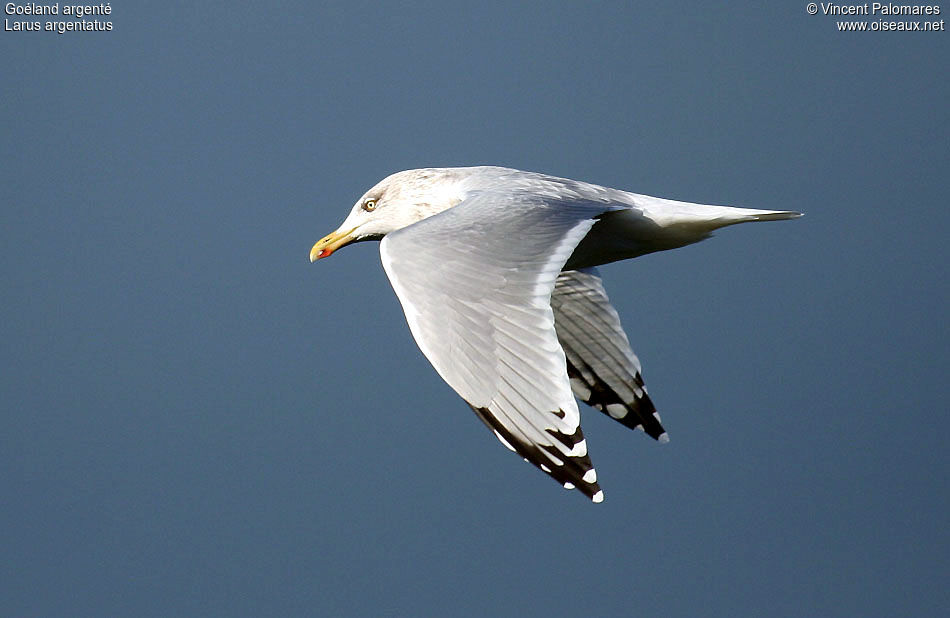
<point>395,202</point>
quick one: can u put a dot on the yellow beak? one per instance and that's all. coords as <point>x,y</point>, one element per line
<point>330,243</point>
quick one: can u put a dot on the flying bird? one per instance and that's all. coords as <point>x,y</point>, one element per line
<point>496,271</point>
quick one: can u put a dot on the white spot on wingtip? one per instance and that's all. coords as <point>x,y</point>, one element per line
<point>616,410</point>
<point>663,439</point>
<point>505,442</point>
<point>598,497</point>
<point>580,389</point>
<point>656,415</point>
<point>590,476</point>
<point>568,485</point>
<point>546,469</point>
<point>579,450</point>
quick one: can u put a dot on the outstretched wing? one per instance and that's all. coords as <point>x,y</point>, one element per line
<point>604,371</point>
<point>475,283</point>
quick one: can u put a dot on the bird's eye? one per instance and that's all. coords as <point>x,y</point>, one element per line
<point>369,205</point>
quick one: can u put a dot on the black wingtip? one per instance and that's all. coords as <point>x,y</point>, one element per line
<point>637,414</point>
<point>574,472</point>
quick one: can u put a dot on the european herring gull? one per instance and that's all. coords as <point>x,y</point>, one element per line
<point>496,272</point>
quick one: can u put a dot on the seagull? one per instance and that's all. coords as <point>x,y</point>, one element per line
<point>496,271</point>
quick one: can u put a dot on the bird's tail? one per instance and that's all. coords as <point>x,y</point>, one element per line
<point>657,224</point>
<point>699,220</point>
<point>747,214</point>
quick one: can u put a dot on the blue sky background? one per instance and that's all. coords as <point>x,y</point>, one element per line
<point>197,421</point>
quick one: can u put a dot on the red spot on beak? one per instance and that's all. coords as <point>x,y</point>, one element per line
<point>324,253</point>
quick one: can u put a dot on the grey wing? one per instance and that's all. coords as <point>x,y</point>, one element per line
<point>604,372</point>
<point>475,283</point>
